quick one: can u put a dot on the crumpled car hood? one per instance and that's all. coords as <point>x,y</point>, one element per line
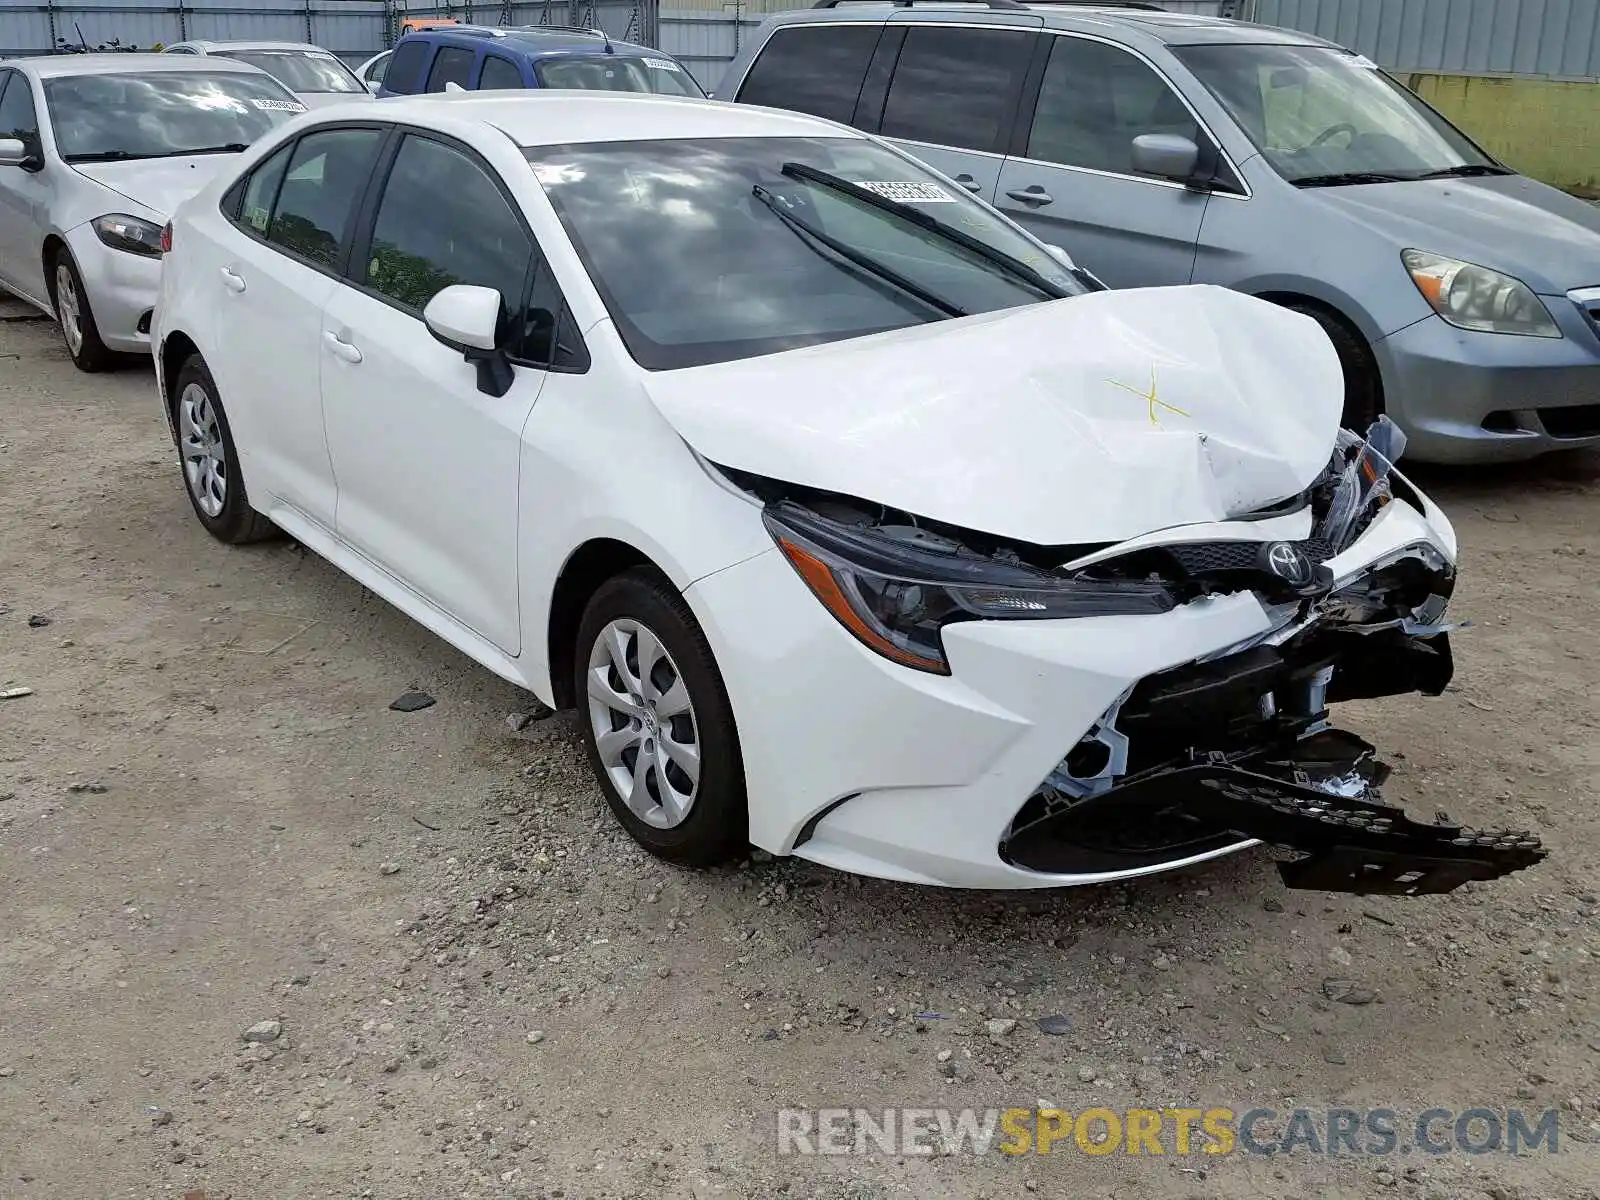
<point>160,184</point>
<point>1090,419</point>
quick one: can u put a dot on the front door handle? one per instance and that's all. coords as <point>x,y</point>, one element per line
<point>232,280</point>
<point>1032,194</point>
<point>968,182</point>
<point>341,347</point>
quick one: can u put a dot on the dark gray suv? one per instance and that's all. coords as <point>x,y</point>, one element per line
<point>1160,148</point>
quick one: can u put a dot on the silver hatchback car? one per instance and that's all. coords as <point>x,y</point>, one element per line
<point>96,150</point>
<point>1161,148</point>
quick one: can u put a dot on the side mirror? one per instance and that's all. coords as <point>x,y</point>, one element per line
<point>373,85</point>
<point>1166,156</point>
<point>14,152</point>
<point>466,318</point>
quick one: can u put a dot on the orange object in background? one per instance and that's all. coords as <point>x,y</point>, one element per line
<point>416,24</point>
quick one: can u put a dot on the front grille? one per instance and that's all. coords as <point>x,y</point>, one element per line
<point>1204,558</point>
<point>1576,421</point>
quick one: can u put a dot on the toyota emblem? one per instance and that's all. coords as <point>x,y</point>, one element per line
<point>1289,564</point>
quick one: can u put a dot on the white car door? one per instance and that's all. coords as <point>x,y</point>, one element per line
<point>427,464</point>
<point>274,273</point>
<point>24,192</point>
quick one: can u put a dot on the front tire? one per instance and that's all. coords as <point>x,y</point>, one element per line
<point>1363,389</point>
<point>209,460</point>
<point>76,318</point>
<point>657,722</point>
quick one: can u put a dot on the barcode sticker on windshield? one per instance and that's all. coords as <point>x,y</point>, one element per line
<point>279,105</point>
<point>1362,61</point>
<point>662,64</point>
<point>908,193</point>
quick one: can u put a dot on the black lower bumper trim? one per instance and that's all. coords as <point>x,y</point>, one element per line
<point>1293,801</point>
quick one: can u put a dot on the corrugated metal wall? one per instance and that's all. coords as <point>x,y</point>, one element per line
<point>1548,39</point>
<point>351,28</point>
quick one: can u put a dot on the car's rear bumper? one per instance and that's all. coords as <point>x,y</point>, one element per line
<point>1465,397</point>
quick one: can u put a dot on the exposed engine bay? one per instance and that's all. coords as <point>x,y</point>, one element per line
<point>1236,745</point>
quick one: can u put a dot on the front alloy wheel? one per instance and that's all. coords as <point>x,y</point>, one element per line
<point>659,728</point>
<point>78,328</point>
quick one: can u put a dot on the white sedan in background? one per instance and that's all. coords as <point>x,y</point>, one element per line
<point>95,151</point>
<point>851,519</point>
<point>319,78</point>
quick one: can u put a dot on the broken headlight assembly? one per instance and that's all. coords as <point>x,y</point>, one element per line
<point>895,587</point>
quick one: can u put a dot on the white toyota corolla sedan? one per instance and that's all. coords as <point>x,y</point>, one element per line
<point>854,522</point>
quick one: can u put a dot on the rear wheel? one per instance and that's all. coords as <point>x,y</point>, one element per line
<point>657,722</point>
<point>1363,387</point>
<point>75,317</point>
<point>209,460</point>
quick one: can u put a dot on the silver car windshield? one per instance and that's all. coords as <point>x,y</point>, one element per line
<point>707,251</point>
<point>162,114</point>
<point>300,70</point>
<point>613,73</point>
<point>1324,116</point>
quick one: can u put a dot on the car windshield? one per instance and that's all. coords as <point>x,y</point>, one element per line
<point>162,114</point>
<point>613,73</point>
<point>707,251</point>
<point>300,70</point>
<point>1321,115</point>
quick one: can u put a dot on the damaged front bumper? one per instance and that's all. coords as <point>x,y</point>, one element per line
<point>1054,752</point>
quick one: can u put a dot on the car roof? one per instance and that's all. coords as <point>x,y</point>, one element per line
<point>535,39</point>
<point>1121,21</point>
<point>208,45</point>
<point>60,66</point>
<point>553,117</point>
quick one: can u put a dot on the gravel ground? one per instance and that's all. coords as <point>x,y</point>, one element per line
<point>261,936</point>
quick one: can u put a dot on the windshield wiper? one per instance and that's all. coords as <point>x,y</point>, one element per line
<point>1012,266</point>
<point>99,156</point>
<point>857,259</point>
<point>1343,177</point>
<point>225,148</point>
<point>1466,171</point>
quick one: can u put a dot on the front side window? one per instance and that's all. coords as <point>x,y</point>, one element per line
<point>400,76</point>
<point>17,117</point>
<point>956,87</point>
<point>608,73</point>
<point>706,251</point>
<point>453,64</point>
<point>498,74</point>
<point>443,221</point>
<point>812,70</point>
<point>300,70</point>
<point>1094,100</point>
<point>1322,116</point>
<point>163,114</point>
<point>376,68</point>
<point>327,173</point>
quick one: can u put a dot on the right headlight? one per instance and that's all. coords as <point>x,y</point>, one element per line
<point>1473,297</point>
<point>895,595</point>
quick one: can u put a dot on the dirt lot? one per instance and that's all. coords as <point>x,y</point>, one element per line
<point>209,818</point>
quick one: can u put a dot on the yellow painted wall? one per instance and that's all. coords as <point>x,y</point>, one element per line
<point>1545,129</point>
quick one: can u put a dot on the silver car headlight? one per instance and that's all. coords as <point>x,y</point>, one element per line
<point>133,235</point>
<point>1473,297</point>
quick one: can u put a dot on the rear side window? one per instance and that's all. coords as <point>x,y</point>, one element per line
<point>261,192</point>
<point>498,73</point>
<point>957,87</point>
<point>453,64</point>
<point>328,171</point>
<point>405,64</point>
<point>813,70</point>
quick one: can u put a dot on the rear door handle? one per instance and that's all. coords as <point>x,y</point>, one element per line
<point>232,279</point>
<point>968,182</point>
<point>341,347</point>
<point>1033,194</point>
